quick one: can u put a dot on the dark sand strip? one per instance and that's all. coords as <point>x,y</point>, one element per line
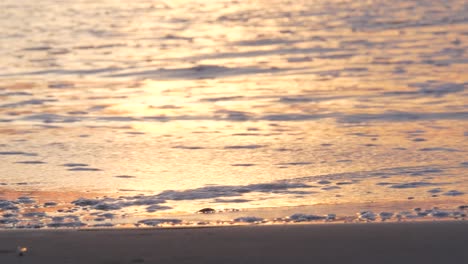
<point>434,242</point>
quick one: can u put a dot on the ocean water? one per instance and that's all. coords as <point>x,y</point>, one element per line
<point>123,113</point>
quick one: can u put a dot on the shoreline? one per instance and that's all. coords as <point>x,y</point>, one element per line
<point>404,242</point>
<point>20,215</point>
<point>234,225</point>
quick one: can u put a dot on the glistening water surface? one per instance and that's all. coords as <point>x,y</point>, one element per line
<point>114,113</point>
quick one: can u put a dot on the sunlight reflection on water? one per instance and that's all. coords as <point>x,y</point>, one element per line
<point>243,104</point>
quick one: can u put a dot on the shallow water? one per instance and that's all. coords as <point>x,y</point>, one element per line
<point>154,109</point>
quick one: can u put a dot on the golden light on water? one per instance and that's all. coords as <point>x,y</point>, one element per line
<point>233,104</point>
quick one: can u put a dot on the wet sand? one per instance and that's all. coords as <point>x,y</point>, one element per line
<point>427,242</point>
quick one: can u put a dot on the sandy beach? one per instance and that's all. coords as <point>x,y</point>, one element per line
<point>430,242</point>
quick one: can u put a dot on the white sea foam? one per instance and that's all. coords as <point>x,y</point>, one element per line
<point>107,206</point>
<point>35,214</point>
<point>157,222</point>
<point>386,215</point>
<point>66,224</point>
<point>439,214</point>
<point>85,202</point>
<point>305,217</point>
<point>366,216</point>
<point>104,225</point>
<point>8,205</point>
<point>248,219</point>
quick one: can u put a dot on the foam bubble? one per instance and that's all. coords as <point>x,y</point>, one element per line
<point>35,214</point>
<point>85,202</point>
<point>103,225</point>
<point>157,222</point>
<point>248,219</point>
<point>8,205</point>
<point>367,216</point>
<point>386,215</point>
<point>439,214</point>
<point>66,224</point>
<point>107,206</point>
<point>306,217</point>
<point>9,220</point>
<point>25,200</point>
